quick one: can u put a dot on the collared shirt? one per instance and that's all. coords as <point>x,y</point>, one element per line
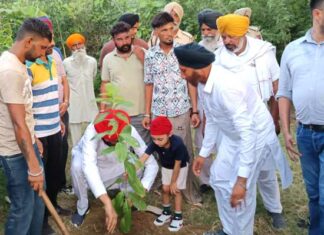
<point>15,88</point>
<point>83,106</point>
<point>90,149</point>
<point>302,78</point>
<point>170,91</point>
<point>128,75</point>
<point>45,96</point>
<point>235,110</point>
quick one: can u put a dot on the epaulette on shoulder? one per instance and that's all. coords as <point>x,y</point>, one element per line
<point>187,34</point>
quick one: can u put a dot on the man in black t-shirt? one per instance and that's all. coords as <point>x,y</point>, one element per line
<point>174,160</point>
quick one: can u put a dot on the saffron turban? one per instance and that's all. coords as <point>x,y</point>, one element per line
<point>175,7</point>
<point>129,18</point>
<point>122,120</point>
<point>74,38</point>
<point>47,21</point>
<point>194,56</point>
<point>208,17</point>
<point>160,126</point>
<point>233,25</point>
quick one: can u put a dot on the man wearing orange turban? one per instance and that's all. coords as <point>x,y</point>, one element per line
<point>254,61</point>
<point>81,70</point>
<point>90,168</point>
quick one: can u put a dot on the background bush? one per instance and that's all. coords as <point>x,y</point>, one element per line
<point>280,21</point>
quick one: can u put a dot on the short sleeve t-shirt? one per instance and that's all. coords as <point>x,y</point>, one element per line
<point>15,88</point>
<point>177,151</point>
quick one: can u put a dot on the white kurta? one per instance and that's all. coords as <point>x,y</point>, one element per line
<point>83,106</point>
<point>90,169</point>
<point>257,65</point>
<point>239,123</point>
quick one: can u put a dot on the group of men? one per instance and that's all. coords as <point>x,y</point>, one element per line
<point>225,87</point>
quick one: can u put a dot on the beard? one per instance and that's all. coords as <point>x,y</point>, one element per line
<point>233,48</point>
<point>80,55</point>
<point>29,55</point>
<point>210,42</point>
<point>125,48</point>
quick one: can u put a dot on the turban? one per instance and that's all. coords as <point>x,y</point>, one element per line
<point>160,126</point>
<point>194,56</point>
<point>47,21</point>
<point>122,119</point>
<point>175,7</point>
<point>246,11</point>
<point>73,38</point>
<point>233,25</point>
<point>208,17</point>
<point>129,18</point>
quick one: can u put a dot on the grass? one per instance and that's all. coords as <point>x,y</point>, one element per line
<point>294,202</point>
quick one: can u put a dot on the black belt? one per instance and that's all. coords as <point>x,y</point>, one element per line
<point>313,127</point>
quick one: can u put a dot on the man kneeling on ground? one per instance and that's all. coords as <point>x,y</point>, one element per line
<point>91,169</point>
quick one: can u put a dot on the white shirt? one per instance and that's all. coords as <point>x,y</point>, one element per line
<point>90,150</point>
<point>234,111</point>
<point>83,106</point>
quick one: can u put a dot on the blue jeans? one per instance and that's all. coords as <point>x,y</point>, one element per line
<point>311,146</point>
<point>26,212</point>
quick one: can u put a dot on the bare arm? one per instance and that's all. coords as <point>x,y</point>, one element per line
<point>111,215</point>
<point>274,107</point>
<point>148,100</point>
<point>193,97</point>
<point>176,170</point>
<point>284,112</point>
<point>24,141</point>
<point>66,96</point>
<point>103,94</point>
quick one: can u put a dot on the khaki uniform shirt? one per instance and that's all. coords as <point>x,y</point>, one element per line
<point>128,75</point>
<point>181,38</point>
<point>15,88</point>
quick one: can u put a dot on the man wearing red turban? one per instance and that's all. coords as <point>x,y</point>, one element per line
<point>92,169</point>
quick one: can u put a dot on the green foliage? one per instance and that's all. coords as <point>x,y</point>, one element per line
<point>280,21</point>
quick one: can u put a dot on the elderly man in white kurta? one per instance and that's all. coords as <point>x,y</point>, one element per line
<point>254,61</point>
<point>91,169</point>
<point>81,71</point>
<point>238,122</point>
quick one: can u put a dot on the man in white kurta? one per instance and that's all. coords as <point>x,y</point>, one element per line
<point>91,169</point>
<point>81,71</point>
<point>240,125</point>
<point>254,61</point>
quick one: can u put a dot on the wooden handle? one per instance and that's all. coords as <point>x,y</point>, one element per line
<point>54,214</point>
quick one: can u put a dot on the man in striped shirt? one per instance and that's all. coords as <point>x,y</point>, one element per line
<point>48,126</point>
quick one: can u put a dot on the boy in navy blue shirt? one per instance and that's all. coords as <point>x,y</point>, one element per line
<point>174,160</point>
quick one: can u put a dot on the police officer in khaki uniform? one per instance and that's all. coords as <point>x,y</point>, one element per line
<point>181,37</point>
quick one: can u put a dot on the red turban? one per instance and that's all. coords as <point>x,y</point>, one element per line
<point>161,126</point>
<point>105,125</point>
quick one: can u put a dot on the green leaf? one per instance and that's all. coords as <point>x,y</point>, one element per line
<point>127,130</point>
<point>114,125</point>
<point>126,220</point>
<point>122,116</point>
<point>108,150</point>
<point>121,150</point>
<point>118,203</point>
<point>130,140</point>
<point>100,118</point>
<point>138,202</point>
<point>99,136</point>
<point>133,180</point>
